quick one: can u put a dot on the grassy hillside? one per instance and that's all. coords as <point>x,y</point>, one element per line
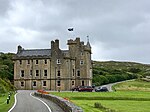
<point>133,85</point>
<point>6,66</point>
<point>113,71</point>
<point>6,72</point>
<point>5,86</point>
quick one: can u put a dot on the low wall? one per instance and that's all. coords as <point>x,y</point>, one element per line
<point>63,103</point>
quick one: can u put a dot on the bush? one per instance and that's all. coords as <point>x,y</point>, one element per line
<point>101,107</point>
<point>98,105</point>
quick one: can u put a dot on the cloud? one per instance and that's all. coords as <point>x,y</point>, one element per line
<point>118,29</point>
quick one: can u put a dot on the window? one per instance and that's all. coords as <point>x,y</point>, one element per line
<point>82,83</point>
<point>37,72</point>
<point>58,61</point>
<point>72,82</point>
<point>58,73</point>
<point>58,83</point>
<point>78,73</point>
<point>20,61</point>
<point>45,61</point>
<point>22,84</point>
<point>22,73</point>
<point>28,62</point>
<point>45,73</point>
<point>30,72</point>
<point>37,61</point>
<point>81,62</point>
<point>44,83</point>
<point>73,72</point>
<point>34,83</point>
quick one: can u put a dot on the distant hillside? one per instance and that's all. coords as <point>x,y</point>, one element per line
<point>113,71</point>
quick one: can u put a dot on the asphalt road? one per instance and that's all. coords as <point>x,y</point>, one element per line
<point>28,103</point>
<point>109,86</point>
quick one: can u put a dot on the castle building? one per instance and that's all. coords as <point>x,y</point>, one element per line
<point>53,69</point>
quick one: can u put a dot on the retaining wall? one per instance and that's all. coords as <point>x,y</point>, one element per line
<point>66,105</point>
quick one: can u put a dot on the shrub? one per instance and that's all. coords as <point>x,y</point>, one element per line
<point>98,105</point>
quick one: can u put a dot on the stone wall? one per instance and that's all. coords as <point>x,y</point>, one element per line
<point>66,105</point>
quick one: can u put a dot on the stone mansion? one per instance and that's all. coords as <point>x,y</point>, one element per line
<point>53,69</point>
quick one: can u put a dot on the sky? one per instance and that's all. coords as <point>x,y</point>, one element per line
<point>118,30</point>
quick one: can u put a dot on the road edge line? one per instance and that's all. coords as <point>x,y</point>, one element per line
<point>42,102</point>
<point>14,103</point>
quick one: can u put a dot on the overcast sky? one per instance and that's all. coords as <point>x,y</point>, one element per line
<point>118,29</point>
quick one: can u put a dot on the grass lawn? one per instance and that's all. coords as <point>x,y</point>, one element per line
<point>118,105</point>
<point>4,107</point>
<point>123,100</point>
<point>126,101</point>
<point>134,85</point>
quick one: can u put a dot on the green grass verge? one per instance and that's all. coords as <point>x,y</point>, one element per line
<point>117,105</point>
<point>119,101</point>
<point>123,100</point>
<point>103,95</point>
<point>4,107</point>
<point>134,85</point>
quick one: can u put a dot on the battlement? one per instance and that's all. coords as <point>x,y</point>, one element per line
<point>71,42</point>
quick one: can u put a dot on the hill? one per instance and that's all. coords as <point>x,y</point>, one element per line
<point>5,86</point>
<point>103,72</point>
<point>113,71</point>
<point>6,72</point>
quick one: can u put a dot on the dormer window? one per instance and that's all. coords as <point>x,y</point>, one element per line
<point>58,61</point>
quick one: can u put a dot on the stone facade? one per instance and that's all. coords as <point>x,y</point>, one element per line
<point>53,69</point>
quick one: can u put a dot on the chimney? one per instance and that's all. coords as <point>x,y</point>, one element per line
<point>57,44</point>
<point>19,49</point>
<point>52,44</point>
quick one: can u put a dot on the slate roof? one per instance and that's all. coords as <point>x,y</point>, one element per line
<point>35,52</point>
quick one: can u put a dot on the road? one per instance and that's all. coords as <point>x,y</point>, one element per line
<point>28,103</point>
<point>109,86</point>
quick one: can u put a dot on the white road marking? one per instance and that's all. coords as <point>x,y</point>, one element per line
<point>14,103</point>
<point>42,102</point>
